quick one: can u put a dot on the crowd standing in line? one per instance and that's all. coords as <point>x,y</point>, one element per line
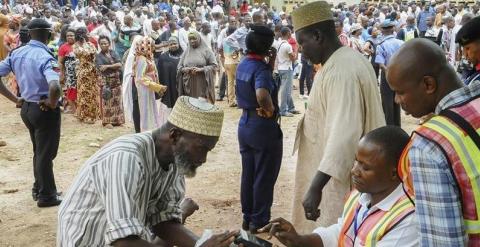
<point>163,65</point>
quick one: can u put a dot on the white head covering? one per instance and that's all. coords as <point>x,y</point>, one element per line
<point>127,80</point>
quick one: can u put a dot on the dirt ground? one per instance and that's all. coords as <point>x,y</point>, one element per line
<point>216,188</point>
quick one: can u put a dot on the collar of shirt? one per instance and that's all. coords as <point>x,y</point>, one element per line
<point>386,204</point>
<point>388,37</point>
<point>458,96</point>
<point>39,44</point>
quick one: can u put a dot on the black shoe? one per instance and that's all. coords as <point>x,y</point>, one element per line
<point>49,203</point>
<point>295,112</point>
<point>35,195</point>
<point>219,99</point>
<point>245,225</point>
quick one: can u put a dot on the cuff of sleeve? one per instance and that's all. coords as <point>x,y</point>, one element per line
<point>166,216</point>
<point>123,228</point>
<point>337,169</point>
<point>53,77</point>
<point>328,238</point>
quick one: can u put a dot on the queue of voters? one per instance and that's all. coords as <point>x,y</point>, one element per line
<point>174,72</point>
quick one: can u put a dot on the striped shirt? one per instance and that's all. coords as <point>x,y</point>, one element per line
<point>437,196</point>
<point>121,191</point>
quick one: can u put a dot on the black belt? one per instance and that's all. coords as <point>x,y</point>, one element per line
<point>253,113</point>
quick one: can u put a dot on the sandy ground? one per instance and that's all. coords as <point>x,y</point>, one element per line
<point>216,187</point>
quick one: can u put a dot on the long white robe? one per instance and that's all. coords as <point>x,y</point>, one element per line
<point>344,104</point>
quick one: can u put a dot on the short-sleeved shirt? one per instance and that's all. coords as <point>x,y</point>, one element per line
<point>252,74</point>
<point>38,68</point>
<point>284,49</point>
<point>386,48</point>
<point>121,191</point>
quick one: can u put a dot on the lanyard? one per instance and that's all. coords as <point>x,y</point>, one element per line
<point>355,224</point>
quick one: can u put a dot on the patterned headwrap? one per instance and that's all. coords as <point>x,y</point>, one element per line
<point>16,19</point>
<point>144,47</point>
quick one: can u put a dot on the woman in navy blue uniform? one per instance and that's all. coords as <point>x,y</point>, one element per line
<point>259,134</point>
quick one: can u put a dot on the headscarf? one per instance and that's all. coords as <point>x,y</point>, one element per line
<point>179,50</point>
<point>3,31</point>
<point>202,46</point>
<point>16,19</point>
<point>144,47</point>
<point>127,79</point>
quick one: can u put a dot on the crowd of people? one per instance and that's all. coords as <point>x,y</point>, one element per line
<point>163,66</point>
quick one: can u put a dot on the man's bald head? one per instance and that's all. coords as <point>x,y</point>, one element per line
<point>421,76</point>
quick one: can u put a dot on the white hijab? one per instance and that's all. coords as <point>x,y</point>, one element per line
<point>127,80</point>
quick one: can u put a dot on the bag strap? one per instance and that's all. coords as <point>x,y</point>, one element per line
<point>463,124</point>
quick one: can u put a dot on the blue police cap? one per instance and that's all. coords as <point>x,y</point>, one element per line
<point>387,23</point>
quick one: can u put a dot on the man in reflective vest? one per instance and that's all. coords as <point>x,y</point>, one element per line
<point>440,166</point>
<point>377,212</point>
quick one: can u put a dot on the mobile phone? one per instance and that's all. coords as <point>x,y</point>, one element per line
<point>250,240</point>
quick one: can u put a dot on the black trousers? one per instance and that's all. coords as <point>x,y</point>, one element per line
<point>223,86</point>
<point>306,77</point>
<point>390,108</point>
<point>136,109</point>
<point>44,128</point>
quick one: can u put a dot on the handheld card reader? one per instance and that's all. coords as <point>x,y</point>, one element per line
<point>250,240</point>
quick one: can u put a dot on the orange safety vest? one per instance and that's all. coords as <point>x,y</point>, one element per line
<point>375,225</point>
<point>456,132</point>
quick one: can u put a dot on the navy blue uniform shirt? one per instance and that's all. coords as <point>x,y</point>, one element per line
<point>252,74</point>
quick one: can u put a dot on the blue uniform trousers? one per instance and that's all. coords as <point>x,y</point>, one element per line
<point>390,108</point>
<point>261,148</point>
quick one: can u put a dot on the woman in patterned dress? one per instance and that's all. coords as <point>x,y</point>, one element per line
<point>87,78</point>
<point>68,64</point>
<point>12,41</point>
<point>110,67</point>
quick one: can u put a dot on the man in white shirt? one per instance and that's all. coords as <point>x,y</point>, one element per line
<point>111,21</point>
<point>205,33</point>
<point>120,13</point>
<point>232,21</point>
<point>138,18</point>
<point>102,29</point>
<point>183,33</point>
<point>78,22</point>
<point>48,16</point>
<point>175,8</point>
<point>147,25</point>
<point>284,64</point>
<point>218,8</point>
<point>378,201</point>
<point>383,14</point>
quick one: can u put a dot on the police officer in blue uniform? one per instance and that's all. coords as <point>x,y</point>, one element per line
<point>469,38</point>
<point>385,50</point>
<point>259,134</point>
<point>36,71</point>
